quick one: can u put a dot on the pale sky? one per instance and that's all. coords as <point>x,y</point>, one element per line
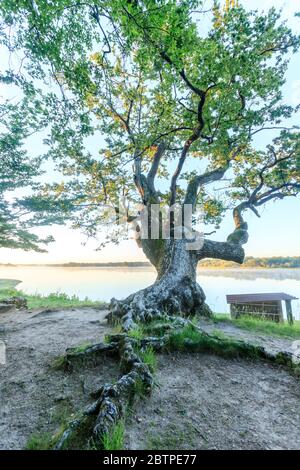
<point>276,233</point>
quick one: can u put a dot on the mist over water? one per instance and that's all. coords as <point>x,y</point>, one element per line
<point>104,283</point>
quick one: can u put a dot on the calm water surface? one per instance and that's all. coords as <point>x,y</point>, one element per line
<point>105,283</point>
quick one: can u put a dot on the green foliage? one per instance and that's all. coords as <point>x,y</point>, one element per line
<point>263,326</point>
<point>148,357</point>
<point>136,75</point>
<point>17,169</point>
<point>114,440</point>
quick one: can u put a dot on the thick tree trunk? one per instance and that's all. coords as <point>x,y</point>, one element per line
<point>175,291</point>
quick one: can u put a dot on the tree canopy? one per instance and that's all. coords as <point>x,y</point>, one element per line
<point>174,94</point>
<point>17,170</point>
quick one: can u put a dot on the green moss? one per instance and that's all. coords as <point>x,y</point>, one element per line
<point>59,363</point>
<point>80,437</point>
<point>80,348</point>
<point>63,363</point>
<point>191,339</point>
<point>158,327</point>
<point>114,440</point>
<point>262,326</point>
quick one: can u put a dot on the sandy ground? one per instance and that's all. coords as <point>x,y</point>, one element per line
<point>200,402</point>
<point>208,402</point>
<point>34,398</point>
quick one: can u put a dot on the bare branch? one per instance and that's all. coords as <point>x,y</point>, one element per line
<point>154,167</point>
<point>280,47</point>
<point>193,137</point>
<point>221,250</point>
<point>96,15</point>
<point>197,181</point>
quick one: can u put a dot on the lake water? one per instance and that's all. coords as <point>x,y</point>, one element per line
<point>105,283</point>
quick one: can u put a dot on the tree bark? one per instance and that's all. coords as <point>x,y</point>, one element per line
<point>175,291</point>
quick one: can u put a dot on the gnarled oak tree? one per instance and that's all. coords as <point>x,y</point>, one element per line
<point>176,95</point>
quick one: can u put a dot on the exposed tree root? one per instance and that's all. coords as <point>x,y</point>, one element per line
<point>82,354</point>
<point>112,400</point>
<point>155,302</point>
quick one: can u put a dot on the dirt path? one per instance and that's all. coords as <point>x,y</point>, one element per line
<point>208,402</point>
<point>33,397</point>
<point>201,401</point>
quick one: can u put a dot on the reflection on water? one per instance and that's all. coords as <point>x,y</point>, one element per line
<point>105,283</point>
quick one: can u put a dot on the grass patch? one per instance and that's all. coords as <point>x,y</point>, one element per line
<point>148,356</point>
<point>137,333</point>
<point>40,442</point>
<point>53,300</point>
<point>60,418</point>
<point>140,390</point>
<point>114,440</point>
<point>262,326</point>
<point>193,340</point>
<point>78,440</point>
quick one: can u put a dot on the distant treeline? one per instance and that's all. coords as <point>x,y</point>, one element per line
<point>123,264</point>
<point>251,262</point>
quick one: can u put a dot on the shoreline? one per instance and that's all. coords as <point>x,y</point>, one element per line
<point>149,266</point>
